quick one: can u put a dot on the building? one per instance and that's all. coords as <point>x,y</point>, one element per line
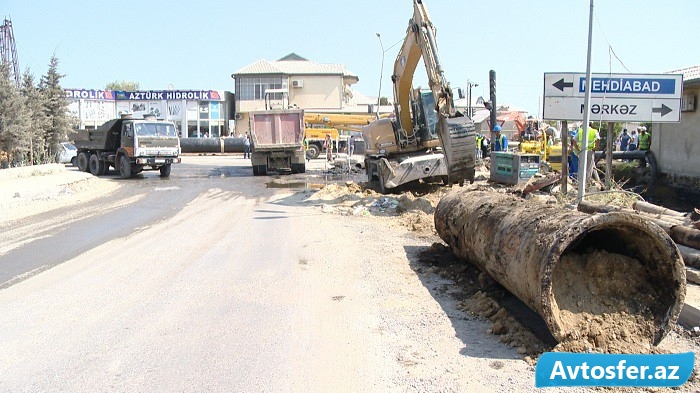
<point>676,146</point>
<point>298,83</point>
<point>196,113</point>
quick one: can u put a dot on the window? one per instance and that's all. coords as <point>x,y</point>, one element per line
<point>204,110</point>
<point>254,88</point>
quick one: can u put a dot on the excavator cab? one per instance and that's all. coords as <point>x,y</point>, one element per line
<point>425,117</point>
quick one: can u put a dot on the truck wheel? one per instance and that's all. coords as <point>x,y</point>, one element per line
<point>165,170</point>
<point>97,167</point>
<point>312,152</point>
<point>259,170</point>
<point>124,167</point>
<point>298,168</point>
<point>83,161</point>
<point>74,161</point>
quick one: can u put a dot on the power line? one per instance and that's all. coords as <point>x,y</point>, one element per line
<point>610,48</point>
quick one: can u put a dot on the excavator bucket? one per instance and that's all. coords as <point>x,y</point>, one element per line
<point>458,140</point>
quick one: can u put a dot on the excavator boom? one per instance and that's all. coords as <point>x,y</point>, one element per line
<point>406,149</point>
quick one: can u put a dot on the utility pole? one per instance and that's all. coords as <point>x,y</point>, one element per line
<point>381,73</point>
<point>492,92</point>
<point>564,157</point>
<point>583,156</point>
<point>609,156</point>
<point>8,51</point>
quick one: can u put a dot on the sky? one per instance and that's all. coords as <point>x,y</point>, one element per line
<point>195,45</point>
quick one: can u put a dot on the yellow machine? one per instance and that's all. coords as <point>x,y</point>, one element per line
<point>550,153</point>
<point>318,125</point>
<point>426,140</point>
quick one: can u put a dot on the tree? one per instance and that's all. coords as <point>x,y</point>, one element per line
<point>37,120</point>
<point>383,101</point>
<point>55,109</point>
<point>124,85</point>
<point>14,130</point>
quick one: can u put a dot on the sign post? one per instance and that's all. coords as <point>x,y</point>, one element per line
<point>611,98</point>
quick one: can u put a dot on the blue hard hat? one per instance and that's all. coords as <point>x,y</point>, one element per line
<point>497,128</point>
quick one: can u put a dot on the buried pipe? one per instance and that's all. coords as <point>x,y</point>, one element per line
<point>603,278</point>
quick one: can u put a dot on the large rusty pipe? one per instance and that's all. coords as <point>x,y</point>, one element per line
<point>527,246</point>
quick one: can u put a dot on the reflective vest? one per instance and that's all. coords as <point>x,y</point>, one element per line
<point>501,143</point>
<point>592,133</point>
<point>644,141</point>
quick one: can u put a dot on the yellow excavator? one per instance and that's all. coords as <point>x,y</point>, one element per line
<point>428,139</point>
<point>318,125</point>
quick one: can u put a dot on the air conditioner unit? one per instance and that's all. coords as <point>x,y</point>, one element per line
<point>298,83</point>
<point>239,116</point>
<point>688,103</point>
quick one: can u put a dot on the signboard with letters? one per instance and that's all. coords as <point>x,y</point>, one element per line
<point>614,97</point>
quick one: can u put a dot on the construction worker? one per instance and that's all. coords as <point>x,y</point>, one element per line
<point>593,139</point>
<point>573,157</point>
<point>644,139</point>
<point>501,141</point>
<point>479,141</point>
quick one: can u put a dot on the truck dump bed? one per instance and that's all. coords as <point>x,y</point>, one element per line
<point>104,137</point>
<point>277,129</point>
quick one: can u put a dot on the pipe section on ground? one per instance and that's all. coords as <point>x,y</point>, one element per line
<point>543,254</point>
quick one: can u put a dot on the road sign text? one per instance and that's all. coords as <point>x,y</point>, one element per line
<point>612,109</point>
<point>629,86</point>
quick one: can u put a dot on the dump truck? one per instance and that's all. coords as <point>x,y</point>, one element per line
<point>277,138</point>
<point>428,138</point>
<point>129,145</point>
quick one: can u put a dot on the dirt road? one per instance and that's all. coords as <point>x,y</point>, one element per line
<point>267,290</point>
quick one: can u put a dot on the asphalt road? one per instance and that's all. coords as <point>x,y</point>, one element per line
<point>196,282</point>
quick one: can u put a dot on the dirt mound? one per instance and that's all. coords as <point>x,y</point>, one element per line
<point>414,208</point>
<point>607,303</point>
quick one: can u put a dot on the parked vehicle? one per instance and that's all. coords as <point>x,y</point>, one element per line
<point>68,154</point>
<point>277,137</point>
<point>129,145</point>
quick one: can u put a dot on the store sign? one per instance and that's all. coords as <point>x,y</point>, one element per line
<point>86,94</point>
<point>146,95</point>
<point>194,95</point>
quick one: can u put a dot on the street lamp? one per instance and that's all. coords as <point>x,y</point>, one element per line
<point>469,90</point>
<point>381,73</point>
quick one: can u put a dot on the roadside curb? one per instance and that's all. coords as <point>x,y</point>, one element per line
<point>29,171</point>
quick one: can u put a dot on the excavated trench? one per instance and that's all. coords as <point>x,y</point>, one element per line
<point>606,282</point>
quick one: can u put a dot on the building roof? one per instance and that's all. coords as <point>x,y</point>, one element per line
<point>293,64</point>
<point>690,74</point>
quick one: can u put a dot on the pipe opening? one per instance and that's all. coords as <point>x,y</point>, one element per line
<point>611,290</point>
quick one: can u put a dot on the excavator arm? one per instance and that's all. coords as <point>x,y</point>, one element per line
<point>420,43</point>
<point>406,149</point>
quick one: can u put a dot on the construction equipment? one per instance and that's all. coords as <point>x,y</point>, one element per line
<point>277,137</point>
<point>318,125</point>
<point>549,152</point>
<point>129,145</point>
<point>427,139</point>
